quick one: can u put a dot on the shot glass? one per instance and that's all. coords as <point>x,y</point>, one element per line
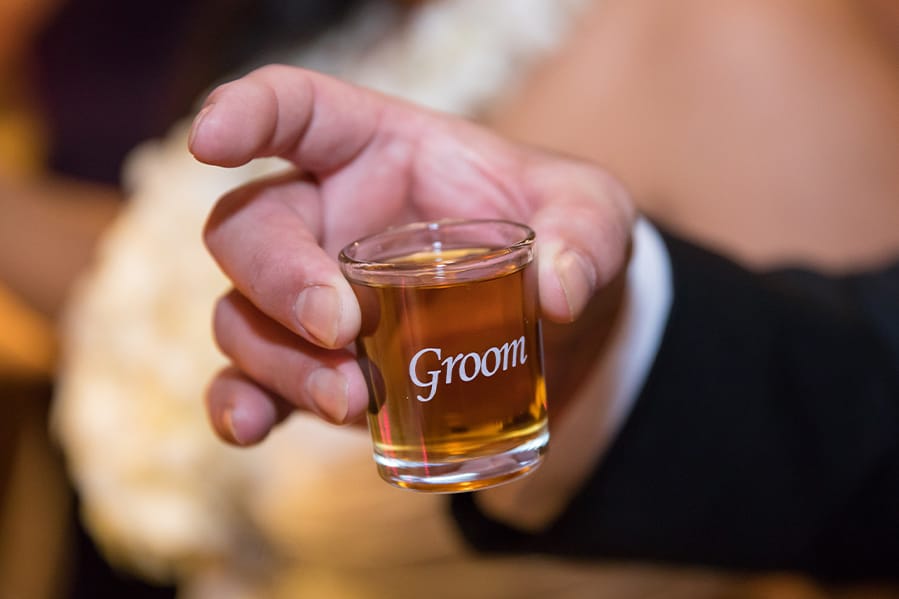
<point>452,352</point>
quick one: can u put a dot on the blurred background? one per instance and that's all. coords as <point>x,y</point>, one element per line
<point>766,130</point>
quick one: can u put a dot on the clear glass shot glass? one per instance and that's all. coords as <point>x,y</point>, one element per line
<point>452,352</point>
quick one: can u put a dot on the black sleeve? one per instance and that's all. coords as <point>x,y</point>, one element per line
<point>766,435</point>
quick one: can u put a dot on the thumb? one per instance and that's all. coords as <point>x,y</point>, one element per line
<point>583,225</point>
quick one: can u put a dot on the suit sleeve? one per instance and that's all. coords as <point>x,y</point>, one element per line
<point>766,435</point>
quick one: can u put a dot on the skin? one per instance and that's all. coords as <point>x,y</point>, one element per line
<point>67,217</point>
<point>288,322</point>
<point>767,130</point>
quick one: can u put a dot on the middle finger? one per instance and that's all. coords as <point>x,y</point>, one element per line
<point>326,382</point>
<point>265,237</point>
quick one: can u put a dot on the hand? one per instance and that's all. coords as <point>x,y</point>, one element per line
<point>364,162</point>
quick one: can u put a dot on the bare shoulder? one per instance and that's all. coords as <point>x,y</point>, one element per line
<point>765,128</point>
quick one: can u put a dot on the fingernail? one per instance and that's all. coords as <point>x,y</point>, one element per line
<point>318,311</point>
<point>328,389</point>
<point>198,123</point>
<point>578,280</point>
<point>233,418</point>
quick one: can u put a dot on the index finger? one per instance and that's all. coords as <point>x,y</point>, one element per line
<point>317,122</point>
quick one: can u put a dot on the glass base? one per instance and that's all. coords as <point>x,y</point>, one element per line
<point>464,474</point>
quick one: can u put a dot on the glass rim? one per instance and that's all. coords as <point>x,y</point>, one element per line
<point>373,266</point>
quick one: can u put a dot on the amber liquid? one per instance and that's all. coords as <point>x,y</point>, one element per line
<point>476,387</point>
